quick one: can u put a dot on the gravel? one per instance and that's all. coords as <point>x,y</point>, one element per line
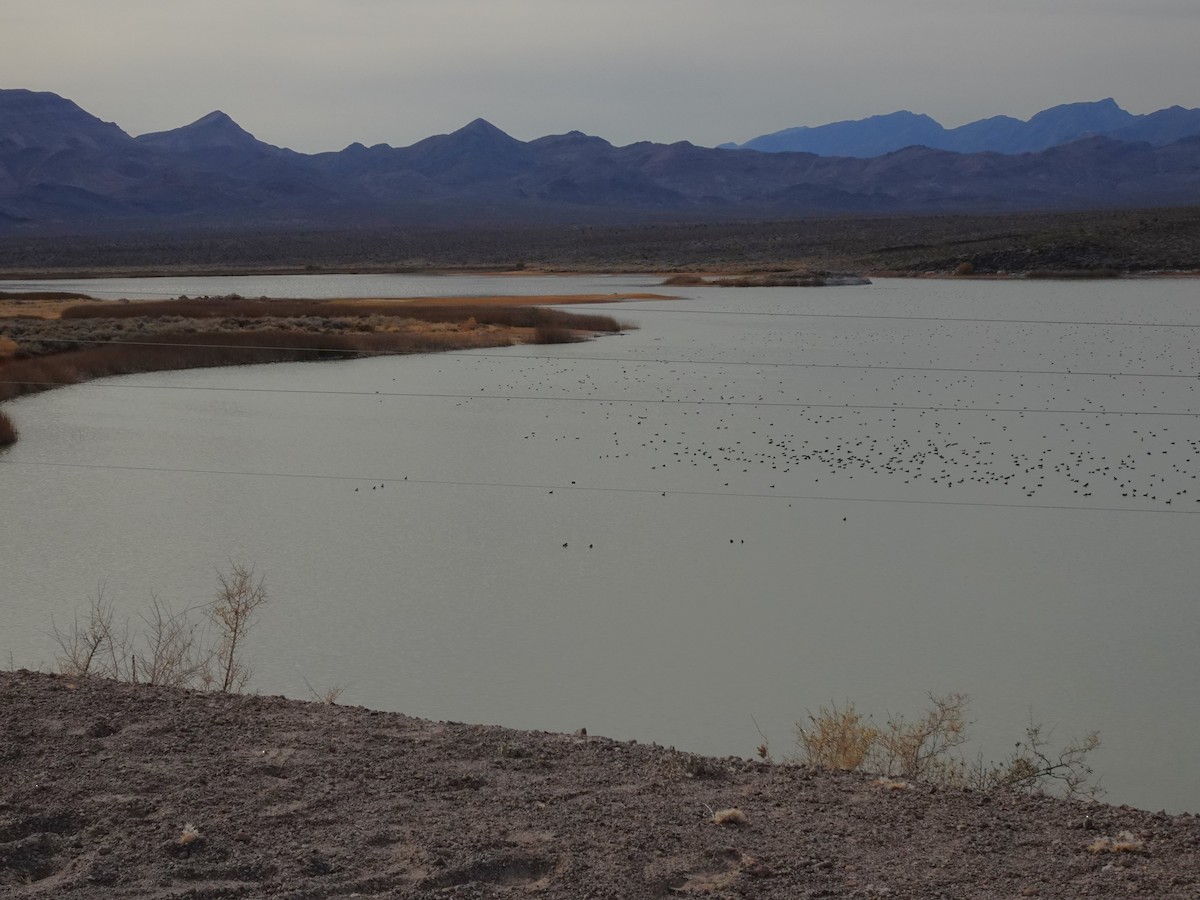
<point>128,791</point>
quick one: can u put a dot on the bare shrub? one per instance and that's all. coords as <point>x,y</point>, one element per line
<point>90,647</point>
<point>930,749</point>
<point>171,652</point>
<point>329,696</point>
<point>1034,765</point>
<point>165,650</point>
<point>234,612</point>
<point>675,765</point>
<point>199,647</point>
<point>927,749</point>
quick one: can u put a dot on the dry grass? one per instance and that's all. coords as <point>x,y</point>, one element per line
<point>928,749</point>
<point>42,295</point>
<point>37,304</point>
<point>836,738</point>
<point>170,351</point>
<point>98,340</point>
<point>731,816</point>
<point>555,334</point>
<point>485,311</point>
<point>1124,842</point>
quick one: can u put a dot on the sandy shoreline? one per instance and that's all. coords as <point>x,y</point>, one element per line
<point>98,781</point>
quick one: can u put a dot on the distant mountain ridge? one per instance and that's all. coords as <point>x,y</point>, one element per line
<point>206,133</point>
<point>877,135</point>
<point>62,168</point>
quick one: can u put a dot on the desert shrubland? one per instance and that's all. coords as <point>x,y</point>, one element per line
<point>194,647</point>
<point>930,749</point>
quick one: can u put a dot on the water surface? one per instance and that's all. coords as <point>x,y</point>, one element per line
<point>770,499</point>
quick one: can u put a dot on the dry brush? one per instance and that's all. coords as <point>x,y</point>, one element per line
<point>929,749</point>
<point>195,647</point>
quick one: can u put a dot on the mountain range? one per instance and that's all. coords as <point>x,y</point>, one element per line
<point>62,168</point>
<point>878,135</point>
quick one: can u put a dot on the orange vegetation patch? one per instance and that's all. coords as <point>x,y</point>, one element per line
<point>40,309</point>
<point>519,300</point>
<point>37,304</point>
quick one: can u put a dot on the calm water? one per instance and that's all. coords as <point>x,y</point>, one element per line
<point>770,500</point>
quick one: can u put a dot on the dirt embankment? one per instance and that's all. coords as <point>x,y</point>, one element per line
<point>115,790</point>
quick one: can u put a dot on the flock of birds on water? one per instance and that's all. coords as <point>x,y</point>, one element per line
<point>1087,415</point>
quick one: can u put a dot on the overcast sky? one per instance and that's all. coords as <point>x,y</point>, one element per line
<point>318,74</point>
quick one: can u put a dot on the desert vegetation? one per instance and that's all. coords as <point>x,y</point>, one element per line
<point>20,296</point>
<point>1126,240</point>
<point>97,340</point>
<point>929,749</point>
<point>195,647</point>
<point>433,310</point>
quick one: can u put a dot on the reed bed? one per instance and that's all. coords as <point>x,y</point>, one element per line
<point>8,431</point>
<point>238,307</point>
<point>555,334</point>
<point>171,351</point>
<point>43,295</point>
<point>167,336</point>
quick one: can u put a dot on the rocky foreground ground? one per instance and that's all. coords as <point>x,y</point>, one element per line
<point>116,790</point>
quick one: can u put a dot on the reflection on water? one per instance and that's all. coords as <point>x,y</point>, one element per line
<point>758,502</point>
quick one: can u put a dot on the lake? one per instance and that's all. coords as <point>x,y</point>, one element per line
<point>758,502</point>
